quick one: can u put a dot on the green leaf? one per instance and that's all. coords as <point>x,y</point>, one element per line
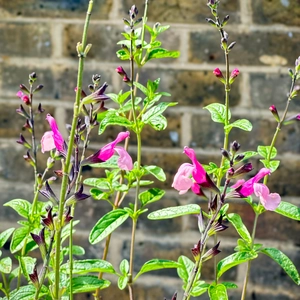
<point>162,53</point>
<point>27,265</point>
<point>272,165</point>
<point>141,88</point>
<point>151,195</point>
<point>186,267</point>
<point>156,110</point>
<point>241,229</point>
<point>173,212</point>
<point>122,54</point>
<point>234,260</point>
<point>18,239</point>
<point>285,263</point>
<point>5,265</point>
<point>107,224</point>
<point>88,283</point>
<point>114,119</point>
<point>92,265</point>
<point>217,292</point>
<point>124,267</point>
<point>27,292</point>
<point>21,206</point>
<point>218,112</point>
<point>4,236</point>
<point>241,124</point>
<point>288,210</point>
<point>99,183</point>
<point>199,288</point>
<point>99,195</point>
<point>157,172</point>
<point>230,285</point>
<point>122,282</point>
<point>76,250</point>
<point>264,151</point>
<point>158,123</point>
<point>157,264</point>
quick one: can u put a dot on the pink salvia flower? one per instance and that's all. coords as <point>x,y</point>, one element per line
<point>217,72</point>
<point>234,74</point>
<point>246,189</point>
<point>106,152</point>
<point>23,97</point>
<point>52,139</point>
<point>270,201</point>
<point>182,180</point>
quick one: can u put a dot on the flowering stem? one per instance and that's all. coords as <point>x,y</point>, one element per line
<point>66,165</point>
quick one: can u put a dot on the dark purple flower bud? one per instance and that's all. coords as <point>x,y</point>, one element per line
<point>235,146</point>
<point>38,88</point>
<point>29,159</point>
<point>225,153</point>
<point>230,173</point>
<point>49,194</point>
<point>217,227</point>
<point>239,157</point>
<point>244,169</point>
<point>225,20</point>
<point>96,79</point>
<point>211,22</point>
<point>213,203</point>
<point>230,47</point>
<point>196,251</point>
<point>24,88</point>
<point>78,196</point>
<point>40,241</point>
<point>211,252</point>
<point>40,109</point>
<point>133,12</point>
<point>126,22</point>
<point>21,111</point>
<point>22,141</point>
<point>32,77</point>
<point>28,126</point>
<point>291,72</point>
<point>274,112</point>
<point>67,216</point>
<point>138,21</point>
<point>34,277</point>
<point>91,88</point>
<point>97,96</point>
<point>48,220</point>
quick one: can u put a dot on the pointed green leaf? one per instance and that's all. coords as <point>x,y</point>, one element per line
<point>288,210</point>
<point>158,123</point>
<point>92,265</point>
<point>186,268</point>
<point>5,265</point>
<point>99,183</point>
<point>99,195</point>
<point>157,264</point>
<point>230,285</point>
<point>122,282</point>
<point>234,260</point>
<point>151,195</point>
<point>285,263</point>
<point>124,267</point>
<point>76,250</point>
<point>114,119</point>
<point>173,212</point>
<point>107,224</point>
<point>199,288</point>
<point>162,53</point>
<point>122,54</point>
<point>141,88</point>
<point>217,292</point>
<point>218,112</point>
<point>156,110</point>
<point>272,165</point>
<point>157,172</point>
<point>21,206</point>
<point>242,124</point>
<point>264,151</point>
<point>4,236</point>
<point>241,229</point>
<point>18,239</point>
<point>27,292</point>
<point>88,283</point>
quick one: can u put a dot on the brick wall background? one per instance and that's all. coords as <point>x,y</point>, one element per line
<point>41,36</point>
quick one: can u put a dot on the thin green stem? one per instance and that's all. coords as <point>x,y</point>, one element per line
<point>66,165</point>
<point>6,288</point>
<point>143,29</point>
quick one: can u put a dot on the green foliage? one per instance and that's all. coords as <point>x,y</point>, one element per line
<point>288,210</point>
<point>88,283</point>
<point>218,112</point>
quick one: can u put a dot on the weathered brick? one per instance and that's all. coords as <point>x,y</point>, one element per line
<point>276,11</point>
<point>182,12</point>
<point>269,89</point>
<point>190,88</point>
<point>252,48</point>
<point>54,9</point>
<point>22,39</point>
<point>12,76</point>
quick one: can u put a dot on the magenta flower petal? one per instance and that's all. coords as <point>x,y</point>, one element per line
<point>182,179</point>
<point>238,184</point>
<point>47,141</point>
<point>125,160</point>
<point>247,188</point>
<point>57,137</point>
<point>108,150</point>
<point>199,173</point>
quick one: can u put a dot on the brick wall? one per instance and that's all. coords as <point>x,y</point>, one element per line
<point>41,36</point>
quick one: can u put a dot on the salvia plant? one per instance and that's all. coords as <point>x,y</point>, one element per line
<point>47,222</point>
